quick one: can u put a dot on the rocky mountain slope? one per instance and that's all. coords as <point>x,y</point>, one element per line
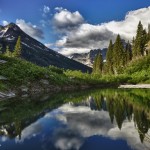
<point>88,58</point>
<point>34,51</point>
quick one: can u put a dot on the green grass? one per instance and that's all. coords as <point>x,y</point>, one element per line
<point>20,72</point>
<point>139,70</point>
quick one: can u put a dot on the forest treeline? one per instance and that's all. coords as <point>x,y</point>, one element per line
<point>119,53</point>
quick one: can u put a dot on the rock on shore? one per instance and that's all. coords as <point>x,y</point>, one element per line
<point>6,95</point>
<point>136,86</point>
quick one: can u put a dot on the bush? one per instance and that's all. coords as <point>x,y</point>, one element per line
<point>56,69</point>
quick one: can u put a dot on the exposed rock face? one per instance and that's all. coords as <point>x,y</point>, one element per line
<point>34,51</point>
<point>6,95</point>
<point>2,78</point>
<point>2,61</point>
<point>88,58</point>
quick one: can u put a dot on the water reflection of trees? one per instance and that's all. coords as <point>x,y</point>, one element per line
<point>123,106</point>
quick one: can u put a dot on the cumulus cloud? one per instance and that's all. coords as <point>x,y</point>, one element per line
<point>66,20</point>
<point>30,29</point>
<point>82,36</point>
<point>5,23</point>
<point>127,28</point>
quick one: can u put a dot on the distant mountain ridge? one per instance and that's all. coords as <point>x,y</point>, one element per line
<point>88,58</point>
<point>34,51</point>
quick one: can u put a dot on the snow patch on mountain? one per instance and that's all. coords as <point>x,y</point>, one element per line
<point>3,31</point>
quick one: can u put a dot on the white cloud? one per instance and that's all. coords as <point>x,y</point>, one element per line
<point>59,9</point>
<point>64,19</point>
<point>5,23</point>
<point>82,36</point>
<point>49,45</point>
<point>30,29</point>
<point>127,28</point>
<point>69,51</point>
<point>46,9</point>
<point>85,38</point>
<point>44,22</point>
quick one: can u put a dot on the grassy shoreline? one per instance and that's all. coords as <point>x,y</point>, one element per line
<point>22,77</point>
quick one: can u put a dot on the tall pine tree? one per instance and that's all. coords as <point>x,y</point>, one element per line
<point>148,34</point>
<point>94,64</point>
<point>140,41</point>
<point>109,58</point>
<point>128,52</point>
<point>18,48</point>
<point>118,54</point>
<point>98,64</point>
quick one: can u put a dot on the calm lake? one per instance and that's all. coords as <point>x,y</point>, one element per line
<point>105,119</point>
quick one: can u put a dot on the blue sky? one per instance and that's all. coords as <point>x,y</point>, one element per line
<point>88,15</point>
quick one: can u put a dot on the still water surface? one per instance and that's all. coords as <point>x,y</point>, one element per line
<point>90,120</point>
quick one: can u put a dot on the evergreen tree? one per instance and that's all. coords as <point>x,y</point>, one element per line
<point>1,48</point>
<point>18,48</point>
<point>118,54</point>
<point>109,58</point>
<point>144,41</point>
<point>94,64</point>
<point>128,52</point>
<point>148,34</point>
<point>140,41</point>
<point>8,52</point>
<point>98,64</point>
<point>3,44</point>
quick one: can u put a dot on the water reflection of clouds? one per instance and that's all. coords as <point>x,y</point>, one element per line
<point>66,139</point>
<point>86,123</point>
<point>3,139</point>
<point>30,131</point>
<point>81,122</point>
